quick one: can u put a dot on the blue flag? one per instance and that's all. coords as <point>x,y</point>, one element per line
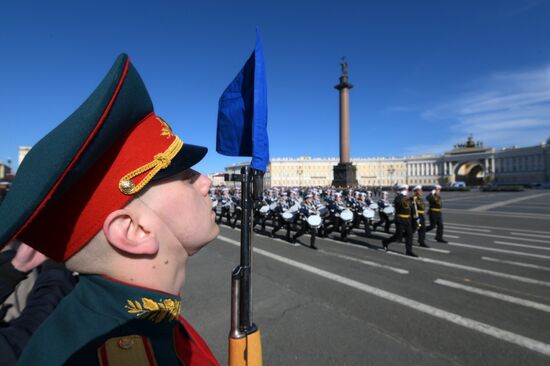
<point>242,113</point>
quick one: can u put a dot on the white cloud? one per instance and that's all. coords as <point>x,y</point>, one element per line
<point>506,108</point>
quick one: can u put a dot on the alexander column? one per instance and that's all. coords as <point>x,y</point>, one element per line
<point>344,172</point>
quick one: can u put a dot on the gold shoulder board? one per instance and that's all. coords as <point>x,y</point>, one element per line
<point>129,350</point>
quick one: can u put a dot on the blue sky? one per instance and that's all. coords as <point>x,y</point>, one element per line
<point>426,73</point>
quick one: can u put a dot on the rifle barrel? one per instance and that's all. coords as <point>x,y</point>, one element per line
<point>245,347</point>
<point>245,308</point>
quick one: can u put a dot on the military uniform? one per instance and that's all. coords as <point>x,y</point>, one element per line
<point>52,284</point>
<point>307,209</point>
<point>336,208</point>
<point>360,205</point>
<point>225,202</point>
<point>271,200</point>
<point>403,226</point>
<point>88,168</point>
<point>420,221</point>
<point>284,205</point>
<point>384,218</point>
<point>237,209</point>
<point>116,321</point>
<point>436,220</point>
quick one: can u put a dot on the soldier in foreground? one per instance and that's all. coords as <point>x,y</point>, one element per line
<point>111,193</point>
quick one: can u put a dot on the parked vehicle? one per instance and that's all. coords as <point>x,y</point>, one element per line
<point>458,184</point>
<point>540,185</point>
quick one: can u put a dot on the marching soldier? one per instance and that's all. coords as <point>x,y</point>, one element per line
<point>369,197</point>
<point>283,206</point>
<point>261,217</point>
<point>419,223</point>
<point>236,199</point>
<point>316,199</point>
<point>272,200</point>
<point>356,205</point>
<point>308,208</point>
<point>295,202</point>
<point>336,208</point>
<point>403,227</point>
<point>351,198</point>
<point>361,204</point>
<point>213,198</point>
<point>384,218</point>
<point>225,202</point>
<point>436,221</point>
<point>324,212</point>
<point>270,197</point>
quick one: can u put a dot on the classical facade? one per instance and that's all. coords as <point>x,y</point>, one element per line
<point>217,179</point>
<point>469,162</point>
<point>5,170</point>
<point>22,152</point>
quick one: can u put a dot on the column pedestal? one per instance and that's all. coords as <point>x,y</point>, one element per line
<point>345,175</point>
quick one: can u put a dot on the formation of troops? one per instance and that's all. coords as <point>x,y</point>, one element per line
<point>322,211</point>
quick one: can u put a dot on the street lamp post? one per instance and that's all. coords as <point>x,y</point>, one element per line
<point>300,172</point>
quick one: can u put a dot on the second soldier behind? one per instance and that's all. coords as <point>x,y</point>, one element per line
<point>436,220</point>
<point>419,224</point>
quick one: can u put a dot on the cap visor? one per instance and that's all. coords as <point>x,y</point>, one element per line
<point>188,156</point>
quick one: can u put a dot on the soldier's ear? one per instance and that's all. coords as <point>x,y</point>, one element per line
<point>130,233</point>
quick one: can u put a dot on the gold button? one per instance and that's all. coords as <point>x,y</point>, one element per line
<point>125,343</point>
<point>126,186</point>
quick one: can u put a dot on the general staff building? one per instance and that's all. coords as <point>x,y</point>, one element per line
<point>470,162</point>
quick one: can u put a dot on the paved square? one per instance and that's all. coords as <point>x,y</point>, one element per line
<point>484,298</point>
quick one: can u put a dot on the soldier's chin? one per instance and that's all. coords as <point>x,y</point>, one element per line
<point>213,235</point>
<point>216,232</point>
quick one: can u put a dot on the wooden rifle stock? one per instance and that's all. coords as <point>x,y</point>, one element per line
<point>246,351</point>
<point>245,346</point>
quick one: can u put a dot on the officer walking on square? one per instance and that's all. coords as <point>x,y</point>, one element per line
<point>419,224</point>
<point>403,212</point>
<point>436,219</point>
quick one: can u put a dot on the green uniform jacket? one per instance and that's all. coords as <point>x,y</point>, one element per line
<point>402,205</point>
<point>435,202</point>
<point>420,206</point>
<point>99,309</point>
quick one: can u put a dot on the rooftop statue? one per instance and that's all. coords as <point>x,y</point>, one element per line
<point>344,65</point>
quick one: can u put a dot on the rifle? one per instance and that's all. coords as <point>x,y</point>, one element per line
<point>245,346</point>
